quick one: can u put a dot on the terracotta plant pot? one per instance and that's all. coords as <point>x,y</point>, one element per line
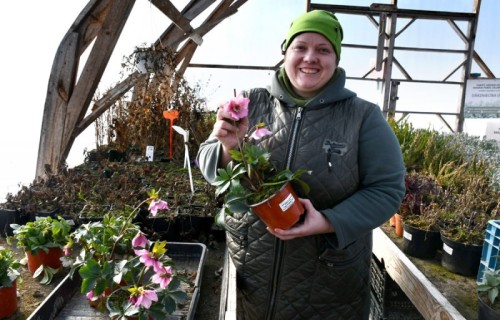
<point>398,225</point>
<point>8,297</point>
<point>392,221</point>
<point>282,210</point>
<point>50,259</point>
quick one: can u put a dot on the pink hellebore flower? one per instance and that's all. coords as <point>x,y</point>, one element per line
<point>145,299</point>
<point>140,240</point>
<point>147,258</point>
<point>260,133</point>
<point>163,276</point>
<point>90,296</point>
<point>237,107</point>
<point>66,251</point>
<point>158,205</point>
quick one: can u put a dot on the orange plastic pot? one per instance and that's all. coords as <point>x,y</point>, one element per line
<point>50,259</point>
<point>398,225</point>
<point>8,297</point>
<point>282,210</point>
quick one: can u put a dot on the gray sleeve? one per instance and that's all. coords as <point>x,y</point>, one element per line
<point>208,158</point>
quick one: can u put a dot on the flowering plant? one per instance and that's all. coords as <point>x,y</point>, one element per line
<point>251,176</point>
<point>117,260</point>
<point>8,268</point>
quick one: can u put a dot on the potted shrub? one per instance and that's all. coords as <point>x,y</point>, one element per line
<point>421,235</point>
<point>43,241</point>
<point>8,277</point>
<point>463,222</point>
<point>250,179</point>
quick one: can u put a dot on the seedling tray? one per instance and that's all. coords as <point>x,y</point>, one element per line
<point>67,303</point>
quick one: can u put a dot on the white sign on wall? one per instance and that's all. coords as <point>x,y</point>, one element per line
<point>482,98</point>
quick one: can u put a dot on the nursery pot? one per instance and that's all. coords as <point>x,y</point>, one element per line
<point>398,225</point>
<point>50,259</point>
<point>7,217</point>
<point>486,312</point>
<point>420,243</point>
<point>459,257</point>
<point>8,297</point>
<point>281,210</point>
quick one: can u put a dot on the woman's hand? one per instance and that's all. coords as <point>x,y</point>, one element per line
<point>314,223</point>
<point>228,132</point>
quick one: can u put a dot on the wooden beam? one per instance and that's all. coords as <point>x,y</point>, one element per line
<point>61,84</point>
<point>190,11</point>
<point>178,19</point>
<point>108,100</point>
<point>94,68</point>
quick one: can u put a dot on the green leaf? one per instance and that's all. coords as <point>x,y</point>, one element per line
<point>38,271</point>
<point>179,296</point>
<point>169,305</point>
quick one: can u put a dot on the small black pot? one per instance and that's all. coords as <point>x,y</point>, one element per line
<point>420,243</point>
<point>460,258</point>
<point>485,312</point>
<point>7,217</point>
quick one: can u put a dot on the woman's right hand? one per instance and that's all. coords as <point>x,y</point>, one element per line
<point>228,131</point>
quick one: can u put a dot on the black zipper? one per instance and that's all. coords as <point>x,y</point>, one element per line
<point>279,244</point>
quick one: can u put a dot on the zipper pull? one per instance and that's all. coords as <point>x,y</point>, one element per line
<point>329,160</point>
<point>299,114</point>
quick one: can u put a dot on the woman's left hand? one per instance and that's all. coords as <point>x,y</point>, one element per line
<point>314,223</point>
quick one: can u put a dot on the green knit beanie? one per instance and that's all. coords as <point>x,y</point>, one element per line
<point>320,21</point>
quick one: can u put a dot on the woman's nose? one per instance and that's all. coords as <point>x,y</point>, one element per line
<point>310,56</point>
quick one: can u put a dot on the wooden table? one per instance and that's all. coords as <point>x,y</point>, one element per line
<point>424,294</point>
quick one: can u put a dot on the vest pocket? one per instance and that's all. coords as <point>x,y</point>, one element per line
<point>341,269</point>
<point>237,236</point>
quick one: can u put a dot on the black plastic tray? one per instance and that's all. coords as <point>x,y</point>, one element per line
<point>67,303</point>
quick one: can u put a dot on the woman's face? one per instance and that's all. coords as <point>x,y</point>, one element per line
<point>310,62</point>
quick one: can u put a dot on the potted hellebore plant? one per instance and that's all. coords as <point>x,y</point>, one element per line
<point>8,278</point>
<point>251,181</point>
<point>43,241</point>
<point>123,271</point>
<point>150,289</point>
